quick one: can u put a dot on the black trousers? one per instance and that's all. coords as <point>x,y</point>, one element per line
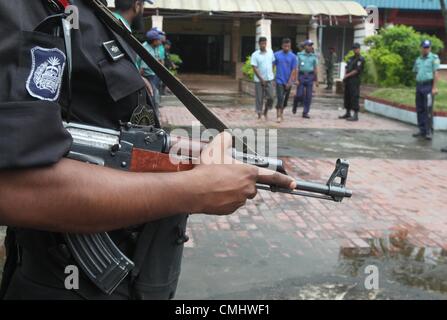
<point>424,107</point>
<point>352,95</point>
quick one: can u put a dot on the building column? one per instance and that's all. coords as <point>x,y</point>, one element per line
<point>362,31</point>
<point>157,22</point>
<point>264,29</point>
<point>236,48</point>
<point>316,35</point>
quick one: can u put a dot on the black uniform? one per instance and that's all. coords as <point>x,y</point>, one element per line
<point>104,92</point>
<point>352,84</point>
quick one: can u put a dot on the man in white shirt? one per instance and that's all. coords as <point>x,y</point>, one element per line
<point>262,62</point>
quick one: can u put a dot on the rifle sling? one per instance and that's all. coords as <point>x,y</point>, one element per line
<point>191,102</point>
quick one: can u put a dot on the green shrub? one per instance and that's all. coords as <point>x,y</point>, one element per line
<point>177,60</point>
<point>392,54</point>
<point>388,66</point>
<point>247,69</point>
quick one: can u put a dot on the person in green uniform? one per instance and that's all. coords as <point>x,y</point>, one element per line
<point>151,45</point>
<point>426,69</point>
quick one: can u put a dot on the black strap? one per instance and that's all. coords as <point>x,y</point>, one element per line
<point>191,102</point>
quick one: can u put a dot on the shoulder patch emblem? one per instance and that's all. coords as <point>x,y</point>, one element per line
<point>47,70</point>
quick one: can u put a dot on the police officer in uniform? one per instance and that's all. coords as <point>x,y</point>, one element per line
<point>44,194</point>
<point>307,63</point>
<point>352,81</point>
<point>426,69</point>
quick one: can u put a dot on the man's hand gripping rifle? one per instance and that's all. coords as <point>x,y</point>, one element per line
<point>148,149</point>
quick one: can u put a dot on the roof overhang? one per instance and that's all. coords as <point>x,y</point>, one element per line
<point>288,7</point>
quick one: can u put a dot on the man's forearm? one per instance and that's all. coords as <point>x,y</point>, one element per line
<point>435,79</point>
<point>351,74</point>
<point>292,77</point>
<point>75,197</point>
<point>258,74</point>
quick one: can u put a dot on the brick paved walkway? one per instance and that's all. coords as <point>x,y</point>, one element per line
<point>245,117</point>
<point>393,199</point>
<point>277,238</point>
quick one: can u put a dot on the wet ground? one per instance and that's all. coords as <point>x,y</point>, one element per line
<point>280,247</point>
<point>286,247</point>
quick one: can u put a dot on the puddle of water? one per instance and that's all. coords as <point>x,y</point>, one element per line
<point>399,261</point>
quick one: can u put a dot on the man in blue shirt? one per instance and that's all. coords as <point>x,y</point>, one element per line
<point>307,75</point>
<point>426,70</point>
<point>262,61</point>
<point>285,61</point>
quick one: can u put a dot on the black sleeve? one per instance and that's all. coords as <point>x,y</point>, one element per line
<point>31,130</point>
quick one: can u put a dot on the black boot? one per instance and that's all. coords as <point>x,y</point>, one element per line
<point>444,149</point>
<point>418,135</point>
<point>346,115</point>
<point>296,102</point>
<point>355,117</point>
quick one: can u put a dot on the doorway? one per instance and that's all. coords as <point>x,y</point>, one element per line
<point>200,53</point>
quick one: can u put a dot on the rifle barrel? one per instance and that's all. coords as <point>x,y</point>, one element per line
<point>333,191</point>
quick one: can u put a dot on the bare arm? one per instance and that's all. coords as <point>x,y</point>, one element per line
<point>80,198</point>
<point>258,74</point>
<point>435,82</point>
<point>293,77</point>
<point>75,197</point>
<point>351,74</point>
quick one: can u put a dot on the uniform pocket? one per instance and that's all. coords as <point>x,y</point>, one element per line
<point>121,77</point>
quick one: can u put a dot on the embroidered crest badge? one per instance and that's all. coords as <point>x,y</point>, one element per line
<point>45,79</point>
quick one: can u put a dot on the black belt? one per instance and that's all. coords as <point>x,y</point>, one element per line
<point>424,83</point>
<point>306,73</point>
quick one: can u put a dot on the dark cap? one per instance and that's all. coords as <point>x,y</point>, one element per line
<point>308,42</point>
<point>356,45</point>
<point>153,35</point>
<point>160,32</point>
<point>426,44</point>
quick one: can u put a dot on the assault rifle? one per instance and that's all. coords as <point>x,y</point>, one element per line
<point>148,149</point>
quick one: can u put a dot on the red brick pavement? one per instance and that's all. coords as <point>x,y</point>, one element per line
<point>390,197</point>
<point>404,197</point>
<point>321,118</point>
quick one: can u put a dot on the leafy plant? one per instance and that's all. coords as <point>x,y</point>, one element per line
<point>177,61</point>
<point>392,54</point>
<point>247,69</point>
